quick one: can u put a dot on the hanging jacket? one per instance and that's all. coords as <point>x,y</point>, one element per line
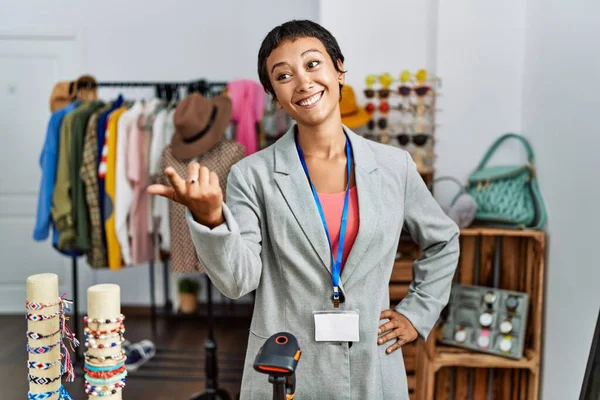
<point>49,165</point>
<point>248,105</point>
<point>96,256</point>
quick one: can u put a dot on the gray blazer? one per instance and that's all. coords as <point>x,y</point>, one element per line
<point>273,241</point>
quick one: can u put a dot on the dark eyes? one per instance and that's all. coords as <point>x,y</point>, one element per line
<point>313,64</point>
<point>310,65</point>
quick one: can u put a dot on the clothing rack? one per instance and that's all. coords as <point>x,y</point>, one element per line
<point>167,90</point>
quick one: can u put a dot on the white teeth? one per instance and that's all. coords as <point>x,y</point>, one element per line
<point>310,100</point>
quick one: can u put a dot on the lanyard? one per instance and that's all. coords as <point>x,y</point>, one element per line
<point>335,262</point>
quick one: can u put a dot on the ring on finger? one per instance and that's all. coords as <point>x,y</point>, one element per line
<point>193,180</point>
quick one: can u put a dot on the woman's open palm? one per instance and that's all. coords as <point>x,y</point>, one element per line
<point>200,192</point>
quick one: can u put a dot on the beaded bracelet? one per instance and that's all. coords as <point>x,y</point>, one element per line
<point>42,349</point>
<point>91,343</point>
<point>42,317</point>
<point>99,321</point>
<point>116,357</point>
<point>41,365</point>
<point>31,305</point>
<point>36,336</point>
<point>108,381</point>
<point>97,332</point>
<point>105,386</point>
<point>93,390</point>
<point>62,395</point>
<point>41,380</point>
<point>105,335</point>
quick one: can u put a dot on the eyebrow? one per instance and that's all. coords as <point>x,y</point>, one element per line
<point>282,63</point>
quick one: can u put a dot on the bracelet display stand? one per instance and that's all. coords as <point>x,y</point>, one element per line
<point>43,289</point>
<point>104,303</point>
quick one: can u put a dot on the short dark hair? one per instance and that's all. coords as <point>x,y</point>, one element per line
<point>293,30</point>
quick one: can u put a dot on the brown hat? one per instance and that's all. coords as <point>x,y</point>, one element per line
<point>62,94</point>
<point>86,88</point>
<point>199,124</point>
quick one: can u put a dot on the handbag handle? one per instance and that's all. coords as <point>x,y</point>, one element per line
<point>497,144</point>
<point>451,179</point>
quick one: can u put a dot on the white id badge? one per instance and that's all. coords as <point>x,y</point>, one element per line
<point>336,326</point>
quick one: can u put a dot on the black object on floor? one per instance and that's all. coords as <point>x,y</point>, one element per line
<point>212,391</point>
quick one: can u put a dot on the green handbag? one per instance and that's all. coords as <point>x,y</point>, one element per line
<point>507,196</point>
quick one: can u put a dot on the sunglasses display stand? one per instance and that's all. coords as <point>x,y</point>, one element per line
<point>403,113</point>
<point>486,319</point>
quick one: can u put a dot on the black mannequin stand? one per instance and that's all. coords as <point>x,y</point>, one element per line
<point>212,391</point>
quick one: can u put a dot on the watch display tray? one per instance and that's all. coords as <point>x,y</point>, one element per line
<point>486,319</point>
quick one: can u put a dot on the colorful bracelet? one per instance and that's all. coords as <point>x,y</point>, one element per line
<point>41,365</point>
<point>42,349</point>
<point>31,305</point>
<point>42,317</point>
<point>120,356</point>
<point>97,332</point>
<point>36,336</point>
<point>98,321</point>
<point>62,394</point>
<point>105,336</point>
<point>93,390</point>
<point>91,343</point>
<point>105,375</point>
<point>108,381</point>
<point>40,380</point>
<point>104,369</point>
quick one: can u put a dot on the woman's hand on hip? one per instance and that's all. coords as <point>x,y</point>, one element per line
<point>398,328</point>
<point>200,192</point>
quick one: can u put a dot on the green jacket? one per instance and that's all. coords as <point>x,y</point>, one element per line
<point>63,212</point>
<point>80,208</point>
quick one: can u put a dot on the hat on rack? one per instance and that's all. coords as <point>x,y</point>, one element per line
<point>353,115</point>
<point>86,88</point>
<point>200,123</point>
<point>62,94</point>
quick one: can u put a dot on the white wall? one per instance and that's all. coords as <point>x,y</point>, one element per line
<point>560,106</point>
<point>141,40</point>
<point>475,48</point>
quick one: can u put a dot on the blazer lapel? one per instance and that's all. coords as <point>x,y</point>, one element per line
<point>294,187</point>
<point>368,183</point>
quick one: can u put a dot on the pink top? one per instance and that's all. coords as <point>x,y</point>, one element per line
<point>333,204</point>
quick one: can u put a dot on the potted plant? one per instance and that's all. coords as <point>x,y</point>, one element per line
<point>188,295</point>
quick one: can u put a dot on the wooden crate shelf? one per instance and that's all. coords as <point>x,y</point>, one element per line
<point>447,356</point>
<point>447,372</point>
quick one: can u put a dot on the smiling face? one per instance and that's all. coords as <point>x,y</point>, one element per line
<point>305,81</point>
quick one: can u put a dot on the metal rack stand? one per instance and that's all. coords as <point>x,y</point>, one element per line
<point>169,91</point>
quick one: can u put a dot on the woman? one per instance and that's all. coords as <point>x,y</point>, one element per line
<point>284,206</point>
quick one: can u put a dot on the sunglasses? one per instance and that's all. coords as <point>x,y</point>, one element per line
<point>419,139</point>
<point>381,93</point>
<point>384,107</point>
<point>420,91</point>
<point>382,123</point>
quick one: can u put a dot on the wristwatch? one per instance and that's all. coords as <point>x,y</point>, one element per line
<point>512,303</point>
<point>483,341</point>
<point>486,319</point>
<point>460,335</point>
<point>506,326</point>
<point>506,344</point>
<point>489,298</point>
